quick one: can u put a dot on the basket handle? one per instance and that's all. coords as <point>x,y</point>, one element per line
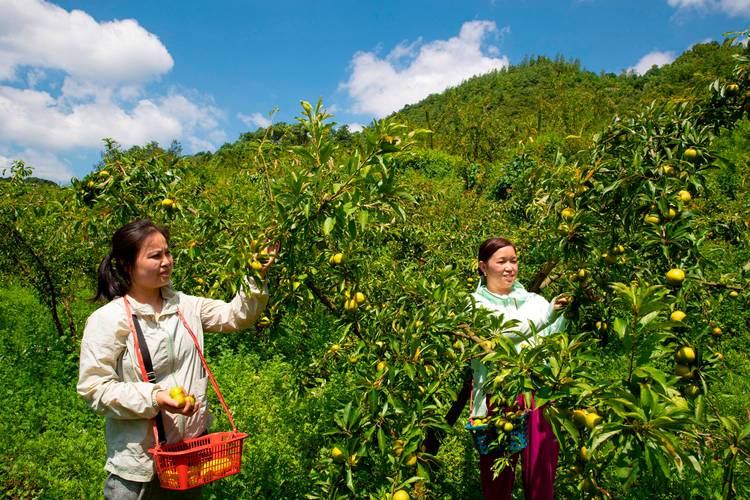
<point>208,370</point>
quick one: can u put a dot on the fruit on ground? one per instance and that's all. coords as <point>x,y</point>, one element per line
<point>401,495</point>
<point>685,355</point>
<point>337,454</point>
<point>690,154</point>
<point>683,371</point>
<point>684,195</point>
<point>675,276</point>
<point>677,315</point>
<point>592,420</point>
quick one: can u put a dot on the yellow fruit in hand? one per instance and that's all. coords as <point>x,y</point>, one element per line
<point>401,495</point>
<point>685,355</point>
<point>684,195</point>
<point>337,454</point>
<point>190,399</point>
<point>176,390</point>
<point>675,276</point>
<point>568,213</point>
<point>677,315</point>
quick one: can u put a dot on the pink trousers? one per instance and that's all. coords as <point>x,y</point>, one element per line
<point>538,461</point>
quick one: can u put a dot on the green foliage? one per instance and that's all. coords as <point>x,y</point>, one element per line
<point>365,353</point>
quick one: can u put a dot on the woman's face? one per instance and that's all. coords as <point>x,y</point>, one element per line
<point>153,265</point>
<point>501,269</point>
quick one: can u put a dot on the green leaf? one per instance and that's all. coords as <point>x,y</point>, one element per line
<point>328,225</point>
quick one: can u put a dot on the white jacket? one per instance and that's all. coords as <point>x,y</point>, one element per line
<point>110,377</point>
<point>517,305</point>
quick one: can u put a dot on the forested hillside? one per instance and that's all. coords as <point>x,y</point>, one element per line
<point>348,383</point>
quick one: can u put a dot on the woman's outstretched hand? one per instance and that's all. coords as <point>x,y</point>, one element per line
<point>272,251</point>
<point>561,301</point>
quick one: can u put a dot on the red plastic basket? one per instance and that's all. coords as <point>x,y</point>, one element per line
<point>198,461</point>
<point>195,461</point>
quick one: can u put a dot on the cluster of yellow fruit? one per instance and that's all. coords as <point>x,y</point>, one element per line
<point>614,254</point>
<point>178,394</point>
<point>585,418</point>
<point>215,467</point>
<point>352,302</point>
<point>685,358</point>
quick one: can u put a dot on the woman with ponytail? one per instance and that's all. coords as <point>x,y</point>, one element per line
<point>134,277</point>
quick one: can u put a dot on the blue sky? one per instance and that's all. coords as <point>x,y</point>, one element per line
<point>73,72</point>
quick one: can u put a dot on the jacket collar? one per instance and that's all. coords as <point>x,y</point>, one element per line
<point>517,292</point>
<point>171,301</point>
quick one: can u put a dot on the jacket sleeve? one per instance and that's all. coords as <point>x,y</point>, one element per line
<point>102,347</point>
<point>240,313</point>
<point>551,321</point>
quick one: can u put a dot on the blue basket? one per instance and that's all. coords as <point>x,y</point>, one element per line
<point>486,436</point>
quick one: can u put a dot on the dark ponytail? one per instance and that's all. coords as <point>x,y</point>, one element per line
<point>113,278</point>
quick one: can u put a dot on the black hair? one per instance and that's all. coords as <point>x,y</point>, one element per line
<point>113,279</point>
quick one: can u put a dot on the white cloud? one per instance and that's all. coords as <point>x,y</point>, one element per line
<point>355,127</point>
<point>40,34</point>
<point>412,71</point>
<point>733,8</point>
<point>254,120</point>
<point>655,58</point>
<point>67,81</point>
